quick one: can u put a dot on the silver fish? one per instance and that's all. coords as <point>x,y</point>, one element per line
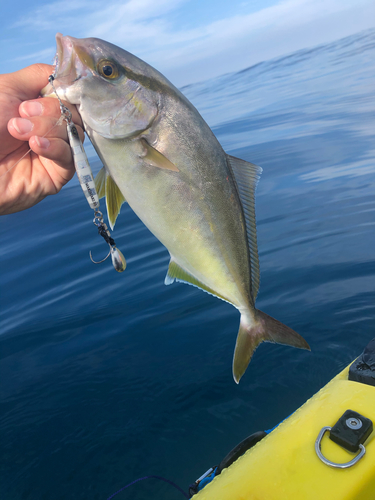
<point>162,158</point>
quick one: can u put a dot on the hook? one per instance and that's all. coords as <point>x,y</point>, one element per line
<point>65,112</point>
<point>99,261</point>
<point>118,260</point>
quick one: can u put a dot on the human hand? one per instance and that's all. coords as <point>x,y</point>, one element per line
<point>24,119</point>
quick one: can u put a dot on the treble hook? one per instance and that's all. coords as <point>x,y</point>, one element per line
<point>118,260</point>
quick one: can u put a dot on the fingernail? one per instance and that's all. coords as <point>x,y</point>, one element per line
<point>32,108</point>
<point>42,142</point>
<point>22,125</point>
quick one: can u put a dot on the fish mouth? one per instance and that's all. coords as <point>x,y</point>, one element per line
<point>72,62</point>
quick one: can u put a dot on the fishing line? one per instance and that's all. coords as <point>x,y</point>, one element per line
<point>150,477</point>
<point>59,122</point>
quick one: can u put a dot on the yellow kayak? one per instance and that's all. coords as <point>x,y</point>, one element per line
<point>299,460</point>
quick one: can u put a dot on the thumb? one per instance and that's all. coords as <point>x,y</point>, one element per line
<point>28,82</point>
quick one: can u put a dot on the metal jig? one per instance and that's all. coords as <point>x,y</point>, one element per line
<point>118,260</point>
<point>86,180</point>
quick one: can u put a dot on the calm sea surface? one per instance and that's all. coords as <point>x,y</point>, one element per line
<point>108,377</point>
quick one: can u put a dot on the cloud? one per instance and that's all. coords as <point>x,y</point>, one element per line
<point>244,40</point>
<point>84,15</point>
<point>44,17</point>
<point>38,55</point>
<point>151,30</point>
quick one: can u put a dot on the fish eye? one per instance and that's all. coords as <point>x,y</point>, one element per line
<point>108,69</point>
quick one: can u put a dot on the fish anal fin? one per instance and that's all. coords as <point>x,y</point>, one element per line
<point>114,199</point>
<point>177,273</point>
<point>262,328</point>
<point>156,159</point>
<point>246,176</point>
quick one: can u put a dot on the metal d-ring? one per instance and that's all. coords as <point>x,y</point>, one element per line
<point>334,464</point>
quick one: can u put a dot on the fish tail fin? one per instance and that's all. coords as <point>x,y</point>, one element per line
<point>257,328</point>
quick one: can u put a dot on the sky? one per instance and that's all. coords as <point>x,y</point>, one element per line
<point>186,40</point>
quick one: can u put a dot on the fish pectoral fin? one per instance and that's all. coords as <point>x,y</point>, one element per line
<point>246,176</point>
<point>100,182</point>
<point>177,273</point>
<point>263,328</point>
<point>156,159</point>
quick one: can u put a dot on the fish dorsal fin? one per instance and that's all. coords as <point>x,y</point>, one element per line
<point>100,182</point>
<point>247,176</point>
<point>177,273</point>
<point>106,186</point>
<point>156,159</point>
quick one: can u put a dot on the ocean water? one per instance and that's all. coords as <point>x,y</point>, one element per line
<point>106,378</point>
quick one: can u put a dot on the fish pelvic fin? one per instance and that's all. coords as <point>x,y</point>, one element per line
<point>261,328</point>
<point>106,186</point>
<point>100,182</point>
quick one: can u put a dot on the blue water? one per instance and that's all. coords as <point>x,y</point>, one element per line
<point>106,377</point>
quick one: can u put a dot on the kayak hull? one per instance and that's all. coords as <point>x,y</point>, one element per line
<point>284,464</point>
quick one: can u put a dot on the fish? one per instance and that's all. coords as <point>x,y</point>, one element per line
<point>161,157</point>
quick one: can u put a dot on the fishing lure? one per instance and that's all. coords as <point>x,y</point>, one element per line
<point>86,180</point>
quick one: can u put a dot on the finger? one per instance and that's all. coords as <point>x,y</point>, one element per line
<point>54,149</point>
<point>28,82</point>
<point>24,128</point>
<point>57,151</point>
<point>47,106</point>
